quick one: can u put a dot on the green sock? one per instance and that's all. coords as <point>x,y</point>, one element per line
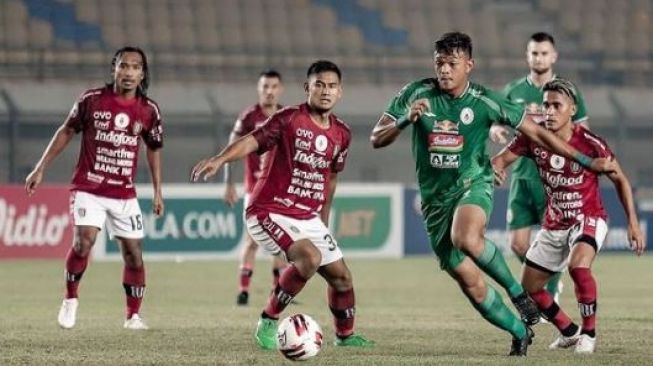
<point>552,285</point>
<point>492,262</point>
<point>496,312</point>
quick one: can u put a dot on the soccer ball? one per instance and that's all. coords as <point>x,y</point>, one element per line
<point>299,337</point>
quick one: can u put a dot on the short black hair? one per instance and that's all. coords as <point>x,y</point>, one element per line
<point>322,66</point>
<point>451,42</point>
<point>562,86</point>
<point>145,83</point>
<point>270,73</point>
<point>542,37</point>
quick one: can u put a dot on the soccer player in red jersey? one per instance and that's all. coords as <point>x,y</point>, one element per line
<point>269,90</point>
<point>113,121</point>
<point>306,147</point>
<point>574,227</point>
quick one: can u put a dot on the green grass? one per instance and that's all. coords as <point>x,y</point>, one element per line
<point>411,308</point>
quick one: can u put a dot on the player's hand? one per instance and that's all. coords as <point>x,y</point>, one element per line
<point>636,238</point>
<point>33,180</point>
<point>417,109</point>
<point>499,134</point>
<point>230,195</point>
<point>603,165</point>
<point>206,168</point>
<point>499,176</point>
<point>157,204</point>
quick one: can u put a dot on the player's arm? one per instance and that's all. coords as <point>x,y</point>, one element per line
<point>388,128</point>
<point>500,162</point>
<point>234,151</point>
<point>154,162</point>
<point>326,208</point>
<point>548,140</point>
<point>58,143</point>
<point>624,190</point>
<point>230,195</point>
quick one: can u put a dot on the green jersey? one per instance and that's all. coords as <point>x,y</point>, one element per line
<point>449,140</point>
<point>525,92</point>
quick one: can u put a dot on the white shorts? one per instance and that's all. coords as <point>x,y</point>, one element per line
<point>123,217</point>
<point>551,248</point>
<point>276,233</point>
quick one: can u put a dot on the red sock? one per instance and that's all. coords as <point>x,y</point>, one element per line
<point>343,308</point>
<point>246,272</point>
<point>550,309</point>
<point>290,283</point>
<point>276,273</point>
<point>133,280</point>
<point>75,267</point>
<point>586,296</point>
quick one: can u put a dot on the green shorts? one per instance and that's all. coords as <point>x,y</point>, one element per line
<point>438,218</point>
<point>526,203</point>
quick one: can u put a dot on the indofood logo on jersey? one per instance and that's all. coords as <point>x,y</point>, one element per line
<point>117,139</point>
<point>559,180</point>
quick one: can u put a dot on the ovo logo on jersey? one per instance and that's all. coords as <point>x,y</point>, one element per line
<point>121,121</point>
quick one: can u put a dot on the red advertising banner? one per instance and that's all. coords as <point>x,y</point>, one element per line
<point>34,227</point>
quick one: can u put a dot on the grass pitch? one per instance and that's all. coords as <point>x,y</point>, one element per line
<point>412,309</point>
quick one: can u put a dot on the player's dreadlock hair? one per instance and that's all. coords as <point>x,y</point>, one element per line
<point>542,37</point>
<point>562,86</point>
<point>322,66</point>
<point>145,83</point>
<point>451,42</point>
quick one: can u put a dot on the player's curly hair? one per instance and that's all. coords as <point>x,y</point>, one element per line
<point>145,83</point>
<point>451,42</point>
<point>562,86</point>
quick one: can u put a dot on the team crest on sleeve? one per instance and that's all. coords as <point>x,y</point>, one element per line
<point>121,121</point>
<point>321,143</point>
<point>137,127</point>
<point>467,115</point>
<point>557,162</point>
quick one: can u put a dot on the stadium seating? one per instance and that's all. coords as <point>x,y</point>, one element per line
<point>205,55</point>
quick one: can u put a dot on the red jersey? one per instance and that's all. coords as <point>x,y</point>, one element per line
<point>249,120</point>
<point>300,158</point>
<point>572,191</point>
<point>112,128</point>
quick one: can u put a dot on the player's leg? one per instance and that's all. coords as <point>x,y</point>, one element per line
<point>586,239</point>
<point>467,234</point>
<point>133,281</point>
<point>278,265</point>
<point>487,301</point>
<point>125,224</point>
<point>246,270</point>
<point>534,279</point>
<point>277,233</point>
<point>520,217</point>
<point>88,218</point>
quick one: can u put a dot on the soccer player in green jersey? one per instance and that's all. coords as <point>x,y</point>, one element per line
<point>451,119</point>
<point>527,201</point>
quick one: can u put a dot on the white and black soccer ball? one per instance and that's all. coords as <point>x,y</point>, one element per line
<point>299,337</point>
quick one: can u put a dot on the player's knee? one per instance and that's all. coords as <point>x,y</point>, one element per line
<point>342,282</point>
<point>83,244</point>
<point>308,262</point>
<point>466,240</point>
<point>518,248</point>
<point>251,245</point>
